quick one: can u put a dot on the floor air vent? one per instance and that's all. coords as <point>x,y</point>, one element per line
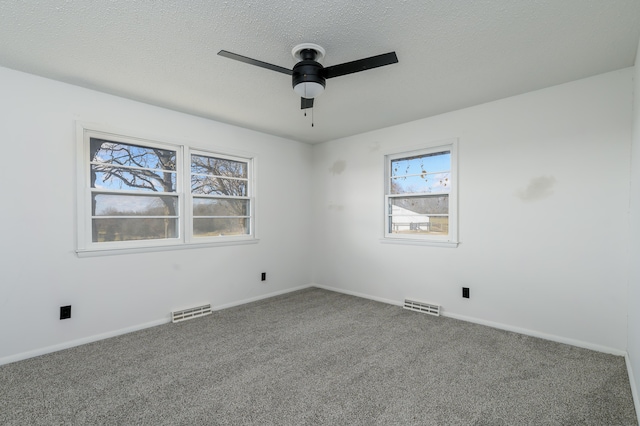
<point>191,313</point>
<point>427,308</point>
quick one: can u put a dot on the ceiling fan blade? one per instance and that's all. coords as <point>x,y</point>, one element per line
<point>360,65</point>
<point>306,103</point>
<point>255,62</point>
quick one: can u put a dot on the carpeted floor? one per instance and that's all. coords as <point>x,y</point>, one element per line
<point>318,357</point>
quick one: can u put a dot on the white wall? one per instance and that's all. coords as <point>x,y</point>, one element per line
<point>554,266</point>
<point>633,333</point>
<point>40,271</point>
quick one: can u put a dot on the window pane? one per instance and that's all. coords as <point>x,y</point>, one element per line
<point>134,205</point>
<point>419,215</point>
<point>212,166</point>
<point>206,227</point>
<point>116,165</point>
<point>220,207</point>
<point>427,204</point>
<point>421,164</point>
<point>119,229</point>
<point>107,177</point>
<point>122,154</point>
<point>218,186</point>
<point>433,182</point>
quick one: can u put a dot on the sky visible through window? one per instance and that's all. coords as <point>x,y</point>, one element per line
<point>426,173</point>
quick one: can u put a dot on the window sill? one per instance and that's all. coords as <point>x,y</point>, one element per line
<point>416,242</point>
<point>133,250</point>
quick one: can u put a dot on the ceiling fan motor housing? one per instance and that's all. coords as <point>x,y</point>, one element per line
<point>310,72</point>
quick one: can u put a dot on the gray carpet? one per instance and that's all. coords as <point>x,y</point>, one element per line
<point>318,357</point>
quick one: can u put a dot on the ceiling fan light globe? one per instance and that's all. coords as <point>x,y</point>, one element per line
<point>309,89</point>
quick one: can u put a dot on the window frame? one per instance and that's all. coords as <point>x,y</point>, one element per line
<point>449,240</point>
<point>86,247</point>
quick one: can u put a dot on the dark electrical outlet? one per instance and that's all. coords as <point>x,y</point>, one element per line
<point>65,312</point>
<point>263,277</point>
<point>465,292</point>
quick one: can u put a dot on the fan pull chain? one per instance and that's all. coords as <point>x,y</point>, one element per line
<point>312,120</point>
<point>305,96</point>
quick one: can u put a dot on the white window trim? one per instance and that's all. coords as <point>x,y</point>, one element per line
<point>87,248</point>
<point>451,240</point>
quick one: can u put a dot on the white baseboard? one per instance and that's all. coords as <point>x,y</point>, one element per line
<point>90,339</point>
<point>500,326</point>
<point>355,293</point>
<point>261,297</point>
<point>634,389</point>
<point>72,343</point>
<point>533,333</point>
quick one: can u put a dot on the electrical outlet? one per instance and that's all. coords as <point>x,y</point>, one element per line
<point>465,292</point>
<point>263,277</point>
<point>65,312</point>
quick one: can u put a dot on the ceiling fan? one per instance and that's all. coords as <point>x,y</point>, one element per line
<point>309,76</point>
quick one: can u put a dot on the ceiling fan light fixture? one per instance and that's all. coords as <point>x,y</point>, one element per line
<point>309,89</point>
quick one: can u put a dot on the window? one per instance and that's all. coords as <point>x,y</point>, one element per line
<point>221,205</point>
<point>136,193</point>
<point>421,195</point>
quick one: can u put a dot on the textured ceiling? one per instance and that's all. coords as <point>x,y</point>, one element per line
<point>452,53</point>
